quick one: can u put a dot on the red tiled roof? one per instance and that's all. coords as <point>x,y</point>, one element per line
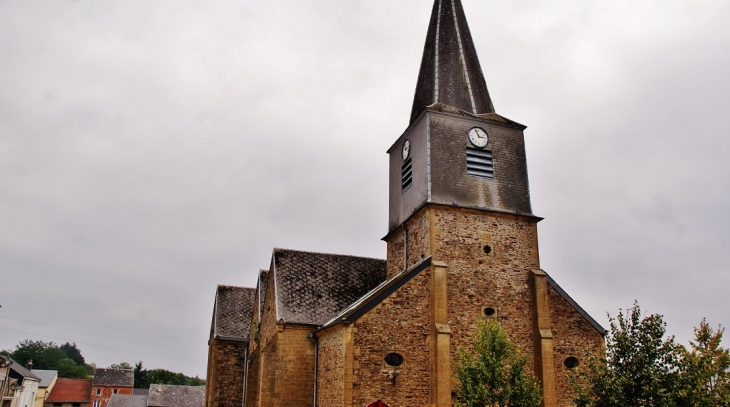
<point>71,391</point>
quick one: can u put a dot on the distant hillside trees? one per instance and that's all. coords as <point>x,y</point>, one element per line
<point>123,365</point>
<point>73,353</point>
<point>143,378</point>
<point>49,356</point>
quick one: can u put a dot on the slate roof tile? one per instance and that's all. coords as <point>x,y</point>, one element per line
<point>18,371</point>
<point>313,287</point>
<point>46,377</point>
<point>233,311</point>
<point>127,400</point>
<point>164,395</point>
<point>114,377</point>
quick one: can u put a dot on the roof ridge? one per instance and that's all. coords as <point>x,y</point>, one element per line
<point>279,249</point>
<point>235,286</point>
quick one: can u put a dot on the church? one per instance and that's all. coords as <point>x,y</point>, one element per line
<point>336,330</point>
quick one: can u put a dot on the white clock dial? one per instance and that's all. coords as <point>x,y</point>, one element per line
<point>406,149</point>
<point>478,137</point>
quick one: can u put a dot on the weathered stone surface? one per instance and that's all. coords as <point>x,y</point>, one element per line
<point>331,368</point>
<point>224,382</point>
<point>399,324</point>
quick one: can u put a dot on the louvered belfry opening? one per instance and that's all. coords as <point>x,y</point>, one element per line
<point>406,174</point>
<point>479,162</point>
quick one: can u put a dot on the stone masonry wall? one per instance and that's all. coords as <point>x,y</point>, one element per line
<point>210,376</point>
<point>267,325</point>
<point>418,244</point>
<point>500,280</point>
<point>330,372</point>
<point>261,333</point>
<point>254,322</point>
<point>287,375</point>
<point>573,336</point>
<point>253,378</point>
<point>476,280</point>
<point>228,361</point>
<point>394,254</point>
<point>401,324</point>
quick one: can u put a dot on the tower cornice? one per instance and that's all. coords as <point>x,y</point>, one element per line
<point>493,118</point>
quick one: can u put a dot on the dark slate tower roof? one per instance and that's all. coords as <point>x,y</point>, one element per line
<point>450,71</point>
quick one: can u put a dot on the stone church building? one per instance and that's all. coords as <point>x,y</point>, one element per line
<point>334,330</point>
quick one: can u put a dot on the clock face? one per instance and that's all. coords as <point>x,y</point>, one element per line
<point>406,149</point>
<point>478,137</point>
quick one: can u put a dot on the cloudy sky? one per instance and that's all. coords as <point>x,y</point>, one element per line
<point>152,150</point>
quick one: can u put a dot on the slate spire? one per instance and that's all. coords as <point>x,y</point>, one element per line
<point>450,71</point>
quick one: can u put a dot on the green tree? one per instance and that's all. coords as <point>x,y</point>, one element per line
<point>140,376</point>
<point>705,370</point>
<point>640,366</point>
<point>494,373</point>
<point>73,353</point>
<point>123,365</point>
<point>143,378</point>
<point>45,355</point>
<point>69,369</point>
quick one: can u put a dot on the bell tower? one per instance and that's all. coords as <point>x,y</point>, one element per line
<point>456,151</point>
<point>459,194</point>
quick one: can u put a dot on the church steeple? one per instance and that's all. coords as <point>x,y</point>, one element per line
<point>450,72</point>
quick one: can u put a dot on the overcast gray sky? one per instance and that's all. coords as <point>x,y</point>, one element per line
<point>150,150</point>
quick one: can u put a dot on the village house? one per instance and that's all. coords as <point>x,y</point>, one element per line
<point>108,382</point>
<point>48,380</point>
<point>20,385</point>
<point>70,393</point>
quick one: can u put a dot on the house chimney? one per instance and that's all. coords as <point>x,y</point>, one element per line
<point>29,366</point>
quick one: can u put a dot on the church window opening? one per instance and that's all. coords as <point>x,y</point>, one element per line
<point>571,362</point>
<point>406,174</point>
<point>479,163</point>
<point>394,359</point>
<point>487,249</point>
<point>490,312</point>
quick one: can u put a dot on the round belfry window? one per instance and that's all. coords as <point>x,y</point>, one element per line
<point>489,311</point>
<point>394,359</point>
<point>571,362</point>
